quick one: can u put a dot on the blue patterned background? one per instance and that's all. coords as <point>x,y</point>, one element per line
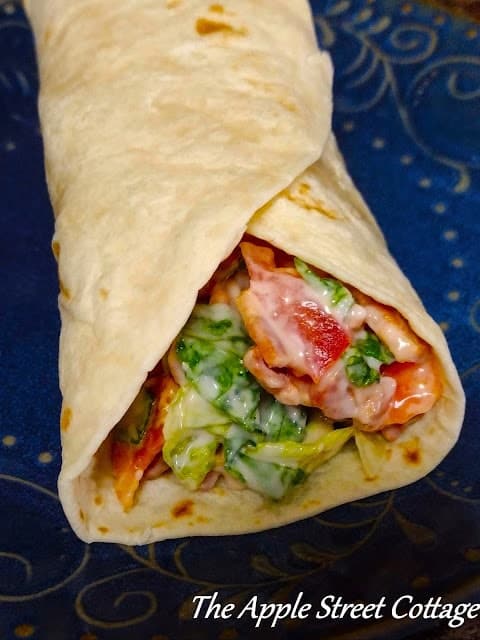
<point>407,97</point>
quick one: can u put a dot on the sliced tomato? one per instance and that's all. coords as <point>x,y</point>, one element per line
<point>418,387</point>
<point>130,461</point>
<point>285,318</point>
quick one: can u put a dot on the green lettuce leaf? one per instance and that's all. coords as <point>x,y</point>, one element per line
<point>364,359</point>
<point>307,456</point>
<point>193,431</point>
<point>191,456</point>
<point>338,294</point>
<point>280,422</point>
<point>270,479</point>
<point>211,350</point>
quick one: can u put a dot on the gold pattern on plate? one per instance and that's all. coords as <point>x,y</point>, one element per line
<point>24,631</point>
<point>472,554</point>
<point>421,582</point>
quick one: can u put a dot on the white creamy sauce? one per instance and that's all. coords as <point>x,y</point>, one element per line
<point>401,341</point>
<point>337,399</point>
<point>355,317</point>
<point>275,487</point>
<point>274,452</point>
<point>201,439</point>
<point>276,313</point>
<point>291,348</point>
<point>208,387</point>
<point>237,402</point>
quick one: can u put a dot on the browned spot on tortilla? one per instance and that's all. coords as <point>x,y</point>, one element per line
<point>103,529</point>
<point>159,524</point>
<point>216,8</point>
<point>311,503</point>
<point>171,4</point>
<point>98,500</point>
<point>47,35</point>
<point>65,291</point>
<point>411,451</point>
<point>103,293</point>
<point>290,106</point>
<point>305,200</point>
<point>203,519</point>
<point>65,418</point>
<point>206,27</point>
<point>183,508</point>
<point>56,249</point>
<point>303,188</point>
<point>82,515</point>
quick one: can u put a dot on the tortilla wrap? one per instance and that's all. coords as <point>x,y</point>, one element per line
<point>171,127</point>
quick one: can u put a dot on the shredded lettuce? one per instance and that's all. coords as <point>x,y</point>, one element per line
<point>222,405</point>
<point>307,456</point>
<point>220,377</point>
<point>218,323</point>
<point>192,456</point>
<point>133,425</point>
<point>211,348</point>
<point>338,294</point>
<point>371,346</point>
<point>279,421</point>
<point>192,434</point>
<point>364,359</point>
<point>270,479</point>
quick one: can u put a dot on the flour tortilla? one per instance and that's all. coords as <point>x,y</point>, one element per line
<point>167,124</point>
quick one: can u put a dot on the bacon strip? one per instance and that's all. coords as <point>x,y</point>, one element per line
<point>129,461</point>
<point>285,318</point>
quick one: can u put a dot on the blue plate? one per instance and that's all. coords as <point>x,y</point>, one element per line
<point>407,97</point>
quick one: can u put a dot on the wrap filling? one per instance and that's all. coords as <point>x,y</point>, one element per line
<point>278,367</point>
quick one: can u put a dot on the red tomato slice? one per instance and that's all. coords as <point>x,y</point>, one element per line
<point>130,461</point>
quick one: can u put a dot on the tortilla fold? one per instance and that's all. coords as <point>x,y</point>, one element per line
<point>172,127</point>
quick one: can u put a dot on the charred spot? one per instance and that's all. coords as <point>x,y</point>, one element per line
<point>411,452</point>
<point>82,515</point>
<point>303,188</point>
<point>103,293</point>
<point>56,249</point>
<point>216,8</point>
<point>103,529</point>
<point>98,500</point>
<point>66,418</point>
<point>65,291</point>
<point>412,455</point>
<point>206,27</point>
<point>183,508</point>
<point>47,36</point>
<point>304,199</point>
<point>202,519</point>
